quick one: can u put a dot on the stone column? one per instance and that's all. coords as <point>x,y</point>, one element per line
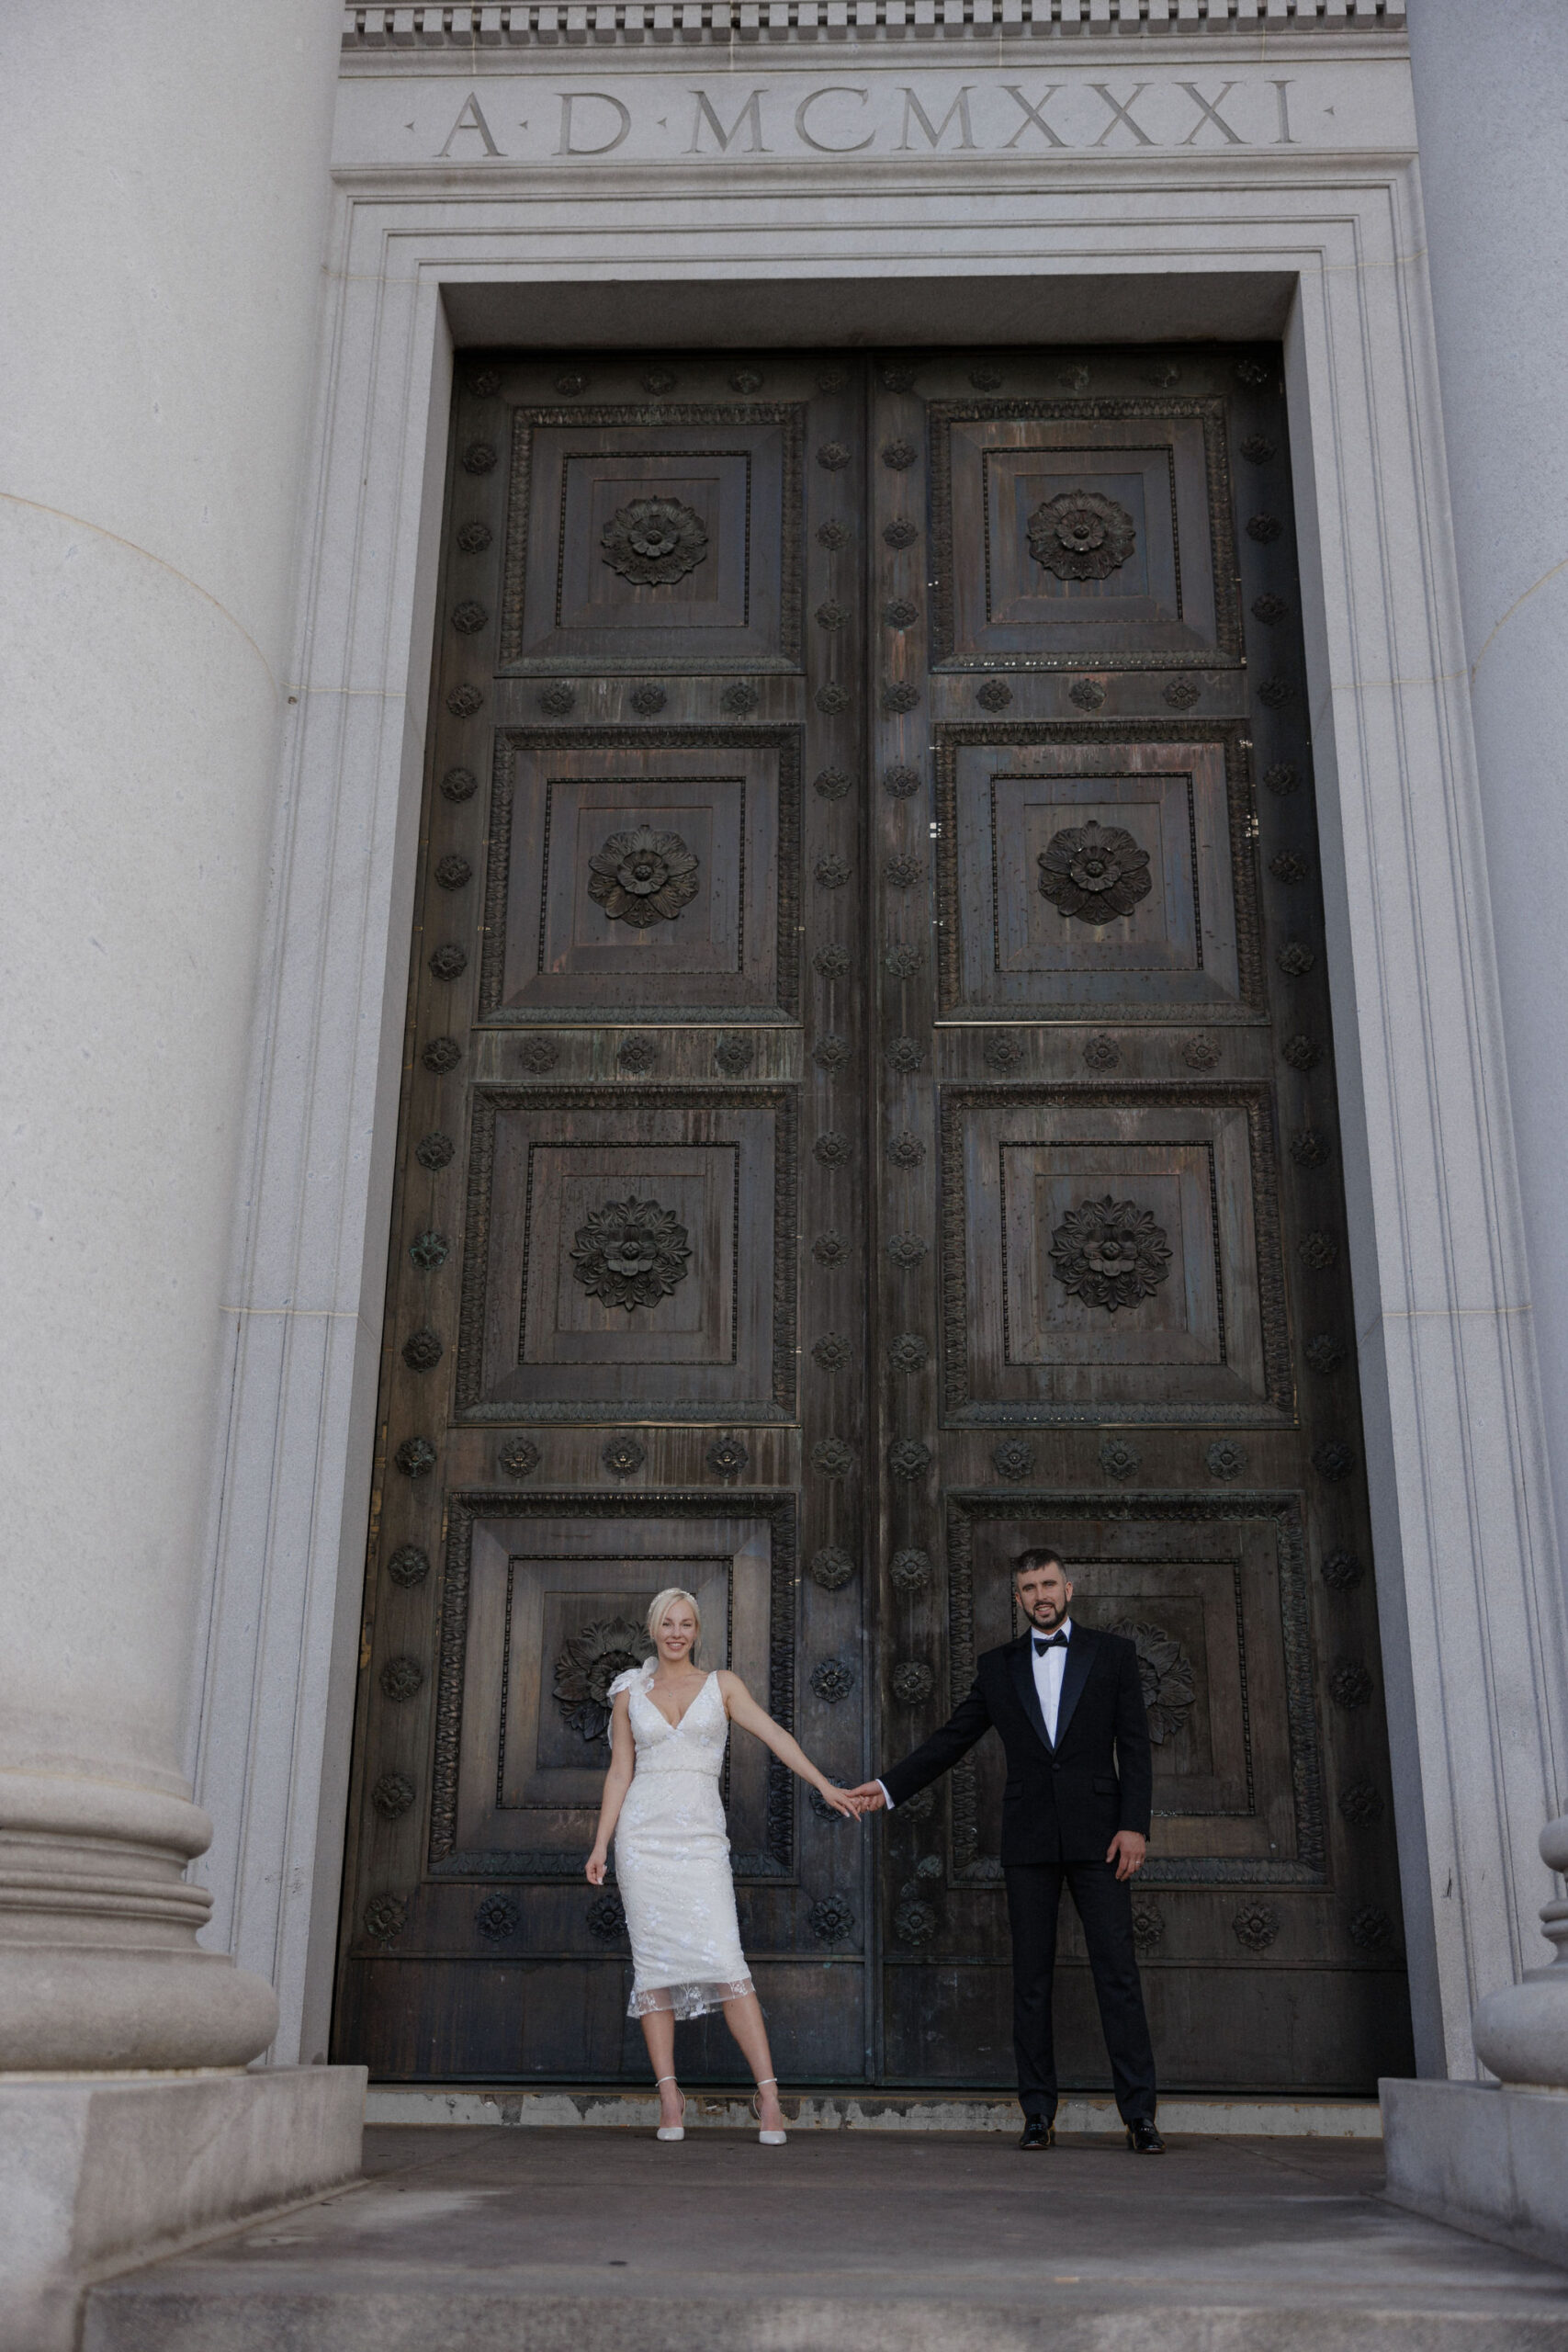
<point>165,190</point>
<point>1489,83</point>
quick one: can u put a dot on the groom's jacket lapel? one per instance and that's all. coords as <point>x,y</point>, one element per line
<point>1021,1665</point>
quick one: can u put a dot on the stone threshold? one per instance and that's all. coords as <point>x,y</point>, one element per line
<point>1218,2115</point>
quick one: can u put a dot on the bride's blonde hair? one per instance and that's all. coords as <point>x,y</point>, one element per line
<point>658,1608</point>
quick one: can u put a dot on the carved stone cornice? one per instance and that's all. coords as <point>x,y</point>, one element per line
<point>392,36</point>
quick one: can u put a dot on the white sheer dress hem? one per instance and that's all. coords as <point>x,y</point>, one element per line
<point>688,2000</point>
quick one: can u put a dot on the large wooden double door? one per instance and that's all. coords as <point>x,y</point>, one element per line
<point>869,1105</point>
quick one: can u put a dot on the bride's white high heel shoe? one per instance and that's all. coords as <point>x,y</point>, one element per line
<point>673,2131</point>
<point>768,2138</point>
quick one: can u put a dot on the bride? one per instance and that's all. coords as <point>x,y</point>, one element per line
<point>667,1730</point>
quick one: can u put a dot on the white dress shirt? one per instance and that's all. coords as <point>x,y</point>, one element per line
<point>1049,1667</point>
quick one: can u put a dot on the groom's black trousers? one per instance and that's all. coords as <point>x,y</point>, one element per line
<point>1105,1907</point>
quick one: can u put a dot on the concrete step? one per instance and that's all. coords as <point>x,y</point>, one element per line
<point>478,2240</point>
<point>1219,2116</point>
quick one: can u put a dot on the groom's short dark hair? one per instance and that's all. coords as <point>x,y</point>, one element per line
<point>1041,1556</point>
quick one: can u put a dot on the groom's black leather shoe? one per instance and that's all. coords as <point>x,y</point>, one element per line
<point>1143,2139</point>
<point>1038,2134</point>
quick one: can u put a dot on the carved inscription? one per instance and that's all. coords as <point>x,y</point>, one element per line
<point>926,114</point>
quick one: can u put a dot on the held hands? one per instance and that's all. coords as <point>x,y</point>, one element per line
<point>1127,1851</point>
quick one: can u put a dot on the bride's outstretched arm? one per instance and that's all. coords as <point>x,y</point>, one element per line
<point>744,1711</point>
<point>618,1780</point>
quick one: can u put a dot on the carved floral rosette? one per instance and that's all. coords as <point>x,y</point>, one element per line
<point>1110,1253</point>
<point>642,877</point>
<point>653,542</point>
<point>590,1661</point>
<point>631,1253</point>
<point>1081,534</point>
<point>1166,1675</point>
<point>1095,872</point>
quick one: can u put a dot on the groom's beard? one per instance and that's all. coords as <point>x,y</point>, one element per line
<point>1045,1616</point>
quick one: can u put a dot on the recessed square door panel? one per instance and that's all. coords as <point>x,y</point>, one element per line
<point>663,871</point>
<point>1085,538</point>
<point>623,1255</point>
<point>1211,1592</point>
<point>553,1609</point>
<point>1118,1255</point>
<point>674,540</point>
<point>1094,877</point>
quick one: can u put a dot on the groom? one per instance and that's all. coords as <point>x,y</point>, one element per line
<point>1069,1708</point>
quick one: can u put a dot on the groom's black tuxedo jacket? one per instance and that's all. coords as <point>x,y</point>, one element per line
<point>1063,1803</point>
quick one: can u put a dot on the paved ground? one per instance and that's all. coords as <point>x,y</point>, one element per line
<point>469,2241</point>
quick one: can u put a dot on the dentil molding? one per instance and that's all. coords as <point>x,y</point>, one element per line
<point>393,36</point>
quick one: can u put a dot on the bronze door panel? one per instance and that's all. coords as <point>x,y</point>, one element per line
<point>1213,1592</point>
<point>1134,902</point>
<point>665,869</point>
<point>672,539</point>
<point>1120,1256</point>
<point>1113,1311</point>
<point>623,1256</point>
<point>869,1106</point>
<point>629,1207</point>
<point>550,1620</point>
<point>1101,538</point>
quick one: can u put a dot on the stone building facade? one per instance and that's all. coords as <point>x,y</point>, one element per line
<point>286,283</point>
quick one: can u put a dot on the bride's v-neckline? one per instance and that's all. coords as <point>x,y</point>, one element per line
<point>685,1711</point>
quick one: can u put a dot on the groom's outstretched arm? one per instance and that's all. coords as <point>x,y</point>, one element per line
<point>970,1721</point>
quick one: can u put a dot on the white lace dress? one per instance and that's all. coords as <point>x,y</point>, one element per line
<point>672,1857</point>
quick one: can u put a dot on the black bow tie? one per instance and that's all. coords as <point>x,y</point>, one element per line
<point>1043,1642</point>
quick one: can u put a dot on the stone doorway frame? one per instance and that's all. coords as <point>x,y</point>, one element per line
<point>1325,251</point>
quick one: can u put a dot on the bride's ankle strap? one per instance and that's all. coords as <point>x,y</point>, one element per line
<point>660,2081</point>
<point>765,2080</point>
